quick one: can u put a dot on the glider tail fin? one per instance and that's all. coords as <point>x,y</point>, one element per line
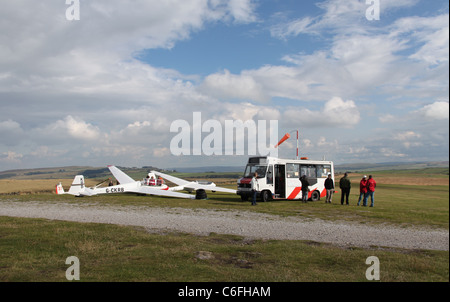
<point>60,189</point>
<point>77,185</point>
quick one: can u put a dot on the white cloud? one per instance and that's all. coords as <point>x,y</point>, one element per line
<point>436,111</point>
<point>387,118</point>
<point>355,64</point>
<point>335,113</point>
<point>363,57</point>
<point>42,50</point>
<point>11,132</point>
<point>339,17</point>
<point>119,26</point>
<point>11,157</point>
<point>67,130</point>
<point>227,86</point>
<point>293,28</point>
<point>47,152</point>
<point>242,11</point>
<point>323,143</point>
<point>161,152</point>
<point>408,139</point>
<point>389,152</point>
<point>406,135</point>
<point>368,59</point>
<point>431,33</point>
<point>76,128</point>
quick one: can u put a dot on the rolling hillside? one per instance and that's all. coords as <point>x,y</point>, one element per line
<point>212,172</point>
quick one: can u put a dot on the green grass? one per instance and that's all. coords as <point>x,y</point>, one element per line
<point>36,250</point>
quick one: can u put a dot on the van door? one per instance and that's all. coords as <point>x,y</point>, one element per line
<point>280,181</point>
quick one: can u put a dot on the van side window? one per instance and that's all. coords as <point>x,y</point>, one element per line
<point>308,170</point>
<point>292,171</point>
<point>323,170</point>
<point>270,175</point>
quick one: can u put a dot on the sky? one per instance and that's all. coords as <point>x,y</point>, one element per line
<point>106,81</point>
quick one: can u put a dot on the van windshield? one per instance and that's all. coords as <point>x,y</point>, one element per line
<point>252,168</point>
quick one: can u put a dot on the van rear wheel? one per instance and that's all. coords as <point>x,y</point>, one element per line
<point>315,196</point>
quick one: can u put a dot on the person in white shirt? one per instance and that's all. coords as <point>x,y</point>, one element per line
<point>255,187</point>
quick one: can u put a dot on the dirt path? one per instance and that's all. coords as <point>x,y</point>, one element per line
<point>246,224</point>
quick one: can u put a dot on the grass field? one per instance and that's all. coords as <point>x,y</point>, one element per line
<point>36,249</point>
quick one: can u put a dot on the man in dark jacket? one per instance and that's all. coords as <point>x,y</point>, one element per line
<point>305,188</point>
<point>329,186</point>
<point>345,185</point>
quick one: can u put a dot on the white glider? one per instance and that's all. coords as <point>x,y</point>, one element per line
<point>149,186</point>
<point>126,185</point>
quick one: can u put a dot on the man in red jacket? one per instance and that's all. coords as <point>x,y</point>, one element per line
<point>362,189</point>
<point>371,184</point>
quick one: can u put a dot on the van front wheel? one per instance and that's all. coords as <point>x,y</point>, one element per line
<point>266,196</point>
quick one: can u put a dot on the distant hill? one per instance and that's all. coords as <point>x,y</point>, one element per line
<point>43,173</point>
<point>229,171</point>
<point>390,166</point>
<point>70,172</point>
<point>214,169</point>
<point>338,168</point>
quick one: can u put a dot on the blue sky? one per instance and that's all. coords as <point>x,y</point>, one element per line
<point>237,46</point>
<point>106,89</point>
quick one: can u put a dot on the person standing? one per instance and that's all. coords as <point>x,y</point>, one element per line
<point>362,190</point>
<point>305,188</point>
<point>345,186</point>
<point>255,187</point>
<point>371,184</point>
<point>329,186</point>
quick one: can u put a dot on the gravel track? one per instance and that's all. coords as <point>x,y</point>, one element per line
<point>243,223</point>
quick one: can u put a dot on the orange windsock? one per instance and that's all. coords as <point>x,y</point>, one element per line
<point>285,137</point>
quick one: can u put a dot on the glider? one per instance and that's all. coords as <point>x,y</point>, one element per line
<point>149,186</point>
